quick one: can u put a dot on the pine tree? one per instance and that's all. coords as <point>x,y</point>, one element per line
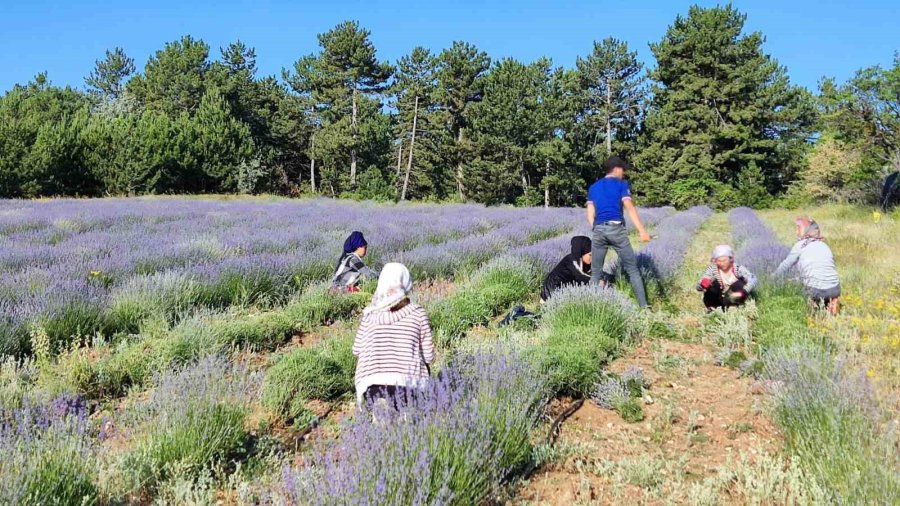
<point>339,82</point>
<point>174,78</point>
<point>414,88</point>
<point>460,74</point>
<point>611,94</point>
<point>107,80</point>
<point>720,107</point>
<point>516,117</point>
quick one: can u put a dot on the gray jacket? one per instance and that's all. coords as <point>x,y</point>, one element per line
<point>814,261</point>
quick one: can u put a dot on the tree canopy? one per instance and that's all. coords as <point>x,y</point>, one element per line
<point>714,120</point>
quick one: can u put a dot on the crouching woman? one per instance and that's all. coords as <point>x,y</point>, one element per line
<point>393,345</point>
<point>351,269</point>
<point>573,269</point>
<point>815,261</point>
<point>725,284</point>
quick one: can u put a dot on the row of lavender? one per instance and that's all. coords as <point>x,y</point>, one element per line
<point>457,442</point>
<point>826,407</point>
<point>67,264</point>
<point>757,247</point>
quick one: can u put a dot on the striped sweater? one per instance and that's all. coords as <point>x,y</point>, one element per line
<point>738,271</point>
<point>393,348</point>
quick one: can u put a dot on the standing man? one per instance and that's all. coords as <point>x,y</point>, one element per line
<point>606,200</point>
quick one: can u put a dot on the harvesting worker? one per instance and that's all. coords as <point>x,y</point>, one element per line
<point>573,269</point>
<point>725,284</point>
<point>815,261</point>
<point>393,344</point>
<point>350,267</point>
<point>607,200</point>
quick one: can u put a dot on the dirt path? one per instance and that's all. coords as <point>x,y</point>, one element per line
<point>700,418</point>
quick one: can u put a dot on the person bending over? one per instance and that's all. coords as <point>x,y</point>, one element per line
<point>725,284</point>
<point>815,261</point>
<point>393,345</point>
<point>573,269</point>
<point>350,267</point>
<point>606,200</point>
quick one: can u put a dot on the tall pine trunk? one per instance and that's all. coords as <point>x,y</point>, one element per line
<point>312,163</point>
<point>412,146</point>
<point>460,185</point>
<point>524,176</point>
<point>353,148</point>
<point>608,118</point>
<point>547,187</point>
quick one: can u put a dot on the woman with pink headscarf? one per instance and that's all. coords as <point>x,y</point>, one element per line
<point>815,262</point>
<point>725,284</point>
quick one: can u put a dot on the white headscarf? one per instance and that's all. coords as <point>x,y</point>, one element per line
<point>394,285</point>
<point>722,250</point>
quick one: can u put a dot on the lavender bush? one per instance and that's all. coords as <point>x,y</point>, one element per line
<point>757,247</point>
<point>47,453</point>
<point>454,442</point>
<point>834,425</point>
<point>583,327</point>
<point>193,420</point>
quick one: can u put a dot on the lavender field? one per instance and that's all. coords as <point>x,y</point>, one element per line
<point>188,351</point>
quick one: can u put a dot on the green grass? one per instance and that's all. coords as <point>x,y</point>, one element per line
<point>492,290</point>
<point>583,328</point>
<point>322,372</point>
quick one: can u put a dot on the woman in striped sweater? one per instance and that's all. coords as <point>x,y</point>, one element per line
<point>725,284</point>
<point>393,344</point>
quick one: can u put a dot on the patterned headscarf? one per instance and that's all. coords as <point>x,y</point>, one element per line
<point>809,229</point>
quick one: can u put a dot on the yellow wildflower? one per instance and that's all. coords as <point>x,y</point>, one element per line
<point>870,373</point>
<point>876,216</point>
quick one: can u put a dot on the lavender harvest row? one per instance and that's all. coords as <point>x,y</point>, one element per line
<point>757,246</point>
<point>664,254</point>
<point>65,254</point>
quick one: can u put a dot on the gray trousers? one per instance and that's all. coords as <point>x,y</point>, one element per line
<point>607,236</point>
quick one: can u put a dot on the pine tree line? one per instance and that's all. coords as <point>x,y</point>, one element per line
<point>716,121</point>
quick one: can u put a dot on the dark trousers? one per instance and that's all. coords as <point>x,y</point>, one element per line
<point>608,236</point>
<point>715,298</point>
<point>396,396</point>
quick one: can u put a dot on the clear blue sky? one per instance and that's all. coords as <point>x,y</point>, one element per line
<point>812,38</point>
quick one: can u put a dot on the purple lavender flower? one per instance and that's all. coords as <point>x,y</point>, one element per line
<point>451,443</point>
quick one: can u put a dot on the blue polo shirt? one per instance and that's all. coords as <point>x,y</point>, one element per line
<point>607,195</point>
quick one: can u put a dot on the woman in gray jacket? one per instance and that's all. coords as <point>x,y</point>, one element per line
<point>815,262</point>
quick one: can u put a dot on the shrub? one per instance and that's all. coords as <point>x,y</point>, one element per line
<point>583,326</point>
<point>833,424</point>
<point>452,443</point>
<point>323,372</point>
<point>194,419</point>
<point>491,290</point>
<point>48,454</point>
<point>162,294</point>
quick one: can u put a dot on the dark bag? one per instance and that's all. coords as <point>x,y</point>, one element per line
<point>515,314</point>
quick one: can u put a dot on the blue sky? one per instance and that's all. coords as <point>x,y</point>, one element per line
<point>811,38</point>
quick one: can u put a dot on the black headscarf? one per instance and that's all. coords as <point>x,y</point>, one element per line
<point>570,270</point>
<point>581,246</point>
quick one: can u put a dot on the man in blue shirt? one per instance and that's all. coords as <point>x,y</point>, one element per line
<point>606,200</point>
